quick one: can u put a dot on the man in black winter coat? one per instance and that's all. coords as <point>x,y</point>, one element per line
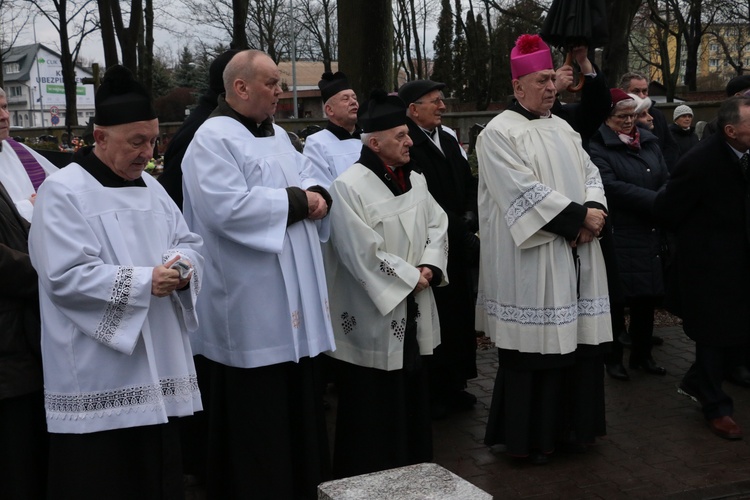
<point>636,83</point>
<point>449,180</point>
<point>705,203</point>
<point>171,177</point>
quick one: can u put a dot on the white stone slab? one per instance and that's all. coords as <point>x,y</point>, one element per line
<point>414,482</point>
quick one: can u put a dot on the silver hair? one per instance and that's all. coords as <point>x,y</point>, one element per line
<point>626,103</point>
<point>2,92</point>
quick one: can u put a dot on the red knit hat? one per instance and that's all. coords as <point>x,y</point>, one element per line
<point>619,95</point>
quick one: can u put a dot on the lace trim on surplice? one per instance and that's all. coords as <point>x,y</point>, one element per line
<point>562,315</point>
<point>123,400</point>
<point>118,306</point>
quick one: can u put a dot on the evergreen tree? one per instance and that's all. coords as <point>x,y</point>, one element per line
<point>477,88</point>
<point>185,74</point>
<point>442,68</point>
<point>459,56</point>
<point>163,83</point>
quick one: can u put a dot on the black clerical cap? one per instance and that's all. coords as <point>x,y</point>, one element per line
<point>738,84</point>
<point>411,91</point>
<point>216,71</point>
<point>381,112</point>
<point>121,99</point>
<point>331,84</point>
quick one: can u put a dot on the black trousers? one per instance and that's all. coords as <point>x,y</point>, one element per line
<point>140,463</point>
<point>705,376</point>
<point>24,446</point>
<point>641,327</point>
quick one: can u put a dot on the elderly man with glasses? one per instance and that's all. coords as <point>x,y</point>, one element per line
<point>439,156</point>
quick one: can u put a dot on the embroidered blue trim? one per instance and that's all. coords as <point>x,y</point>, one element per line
<point>525,202</point>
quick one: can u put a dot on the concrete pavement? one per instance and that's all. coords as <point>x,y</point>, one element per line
<point>657,446</point>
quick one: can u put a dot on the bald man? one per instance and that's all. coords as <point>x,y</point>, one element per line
<point>265,317</point>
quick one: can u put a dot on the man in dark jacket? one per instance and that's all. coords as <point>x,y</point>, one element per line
<point>171,177</point>
<point>449,180</point>
<point>23,430</point>
<point>705,203</point>
<point>636,83</point>
<point>737,86</point>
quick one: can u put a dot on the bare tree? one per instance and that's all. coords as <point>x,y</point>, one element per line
<point>268,28</point>
<point>732,35</point>
<point>319,23</point>
<point>365,39</point>
<point>240,11</point>
<point>616,53</point>
<point>73,20</point>
<point>671,33</point>
<point>13,19</point>
<point>410,25</point>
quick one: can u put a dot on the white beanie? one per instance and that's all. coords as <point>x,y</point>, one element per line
<point>682,109</point>
<point>641,105</point>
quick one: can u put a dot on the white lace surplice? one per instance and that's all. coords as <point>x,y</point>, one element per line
<point>114,355</point>
<point>530,297</point>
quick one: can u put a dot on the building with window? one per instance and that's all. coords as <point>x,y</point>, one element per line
<point>35,91</point>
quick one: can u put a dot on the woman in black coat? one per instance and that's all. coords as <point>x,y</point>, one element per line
<point>633,171</point>
<point>683,130</point>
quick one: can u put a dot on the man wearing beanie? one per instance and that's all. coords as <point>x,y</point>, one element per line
<point>683,130</point>
<point>336,148</point>
<point>388,249</point>
<point>542,282</point>
<point>119,275</point>
<point>171,177</point>
<point>252,197</point>
<point>441,160</point>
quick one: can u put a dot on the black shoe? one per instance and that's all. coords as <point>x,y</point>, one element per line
<point>624,339</point>
<point>617,371</point>
<point>649,366</point>
<point>739,375</point>
<point>656,340</point>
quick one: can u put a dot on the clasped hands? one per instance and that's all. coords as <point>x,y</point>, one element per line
<point>592,226</point>
<point>425,276</point>
<point>165,280</point>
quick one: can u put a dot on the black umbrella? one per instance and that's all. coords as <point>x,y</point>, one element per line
<point>571,23</point>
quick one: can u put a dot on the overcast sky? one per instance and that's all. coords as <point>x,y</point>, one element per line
<point>165,43</point>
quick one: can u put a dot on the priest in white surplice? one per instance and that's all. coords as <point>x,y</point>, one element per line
<point>105,239</point>
<point>22,169</point>
<point>388,247</point>
<point>337,147</point>
<point>265,316</point>
<point>542,287</point>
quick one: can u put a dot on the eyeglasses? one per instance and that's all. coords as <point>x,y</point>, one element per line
<point>625,116</point>
<point>435,101</point>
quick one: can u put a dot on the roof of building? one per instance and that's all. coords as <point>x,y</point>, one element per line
<point>25,56</point>
<point>307,73</point>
